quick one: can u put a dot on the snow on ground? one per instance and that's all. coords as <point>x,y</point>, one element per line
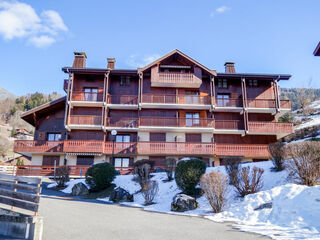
<point>295,213</point>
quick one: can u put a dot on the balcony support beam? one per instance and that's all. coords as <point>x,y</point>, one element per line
<point>244,103</point>
<point>212,92</point>
<point>105,99</point>
<point>276,94</point>
<point>70,97</point>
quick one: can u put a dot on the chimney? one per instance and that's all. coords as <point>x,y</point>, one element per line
<point>229,67</point>
<point>79,60</point>
<point>111,63</point>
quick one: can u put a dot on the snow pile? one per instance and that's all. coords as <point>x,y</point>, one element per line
<point>294,214</point>
<point>70,185</point>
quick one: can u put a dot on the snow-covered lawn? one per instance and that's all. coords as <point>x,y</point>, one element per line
<point>295,213</point>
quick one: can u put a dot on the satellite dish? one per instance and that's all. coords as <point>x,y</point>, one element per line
<point>114,132</point>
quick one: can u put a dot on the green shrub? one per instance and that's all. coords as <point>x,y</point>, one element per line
<point>188,174</point>
<point>99,176</point>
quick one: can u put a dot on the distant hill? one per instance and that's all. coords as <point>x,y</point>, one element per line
<point>295,95</point>
<point>4,94</point>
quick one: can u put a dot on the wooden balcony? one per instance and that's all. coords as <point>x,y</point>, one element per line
<point>122,99</point>
<point>286,104</point>
<point>175,148</point>
<point>83,146</point>
<point>176,122</point>
<point>28,146</point>
<point>120,148</point>
<point>229,124</point>
<point>247,150</point>
<point>40,170</point>
<point>261,103</point>
<point>176,99</point>
<point>270,127</point>
<point>87,96</point>
<point>122,122</point>
<point>85,120</point>
<point>170,79</point>
<point>229,102</point>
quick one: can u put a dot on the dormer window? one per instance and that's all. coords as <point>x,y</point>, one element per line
<point>222,83</point>
<point>253,83</point>
<point>125,81</point>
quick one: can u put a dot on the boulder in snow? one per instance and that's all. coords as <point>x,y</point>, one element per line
<point>79,189</point>
<point>183,202</point>
<point>120,195</point>
<point>263,206</point>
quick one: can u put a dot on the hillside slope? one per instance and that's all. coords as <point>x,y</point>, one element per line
<point>4,94</point>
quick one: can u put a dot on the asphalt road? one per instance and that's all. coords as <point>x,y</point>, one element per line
<point>74,218</point>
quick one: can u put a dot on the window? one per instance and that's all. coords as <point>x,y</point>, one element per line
<point>125,81</point>
<point>223,100</point>
<point>252,83</point>
<point>121,162</point>
<point>222,83</point>
<point>123,138</point>
<point>90,94</point>
<point>50,160</point>
<point>192,119</point>
<point>85,160</point>
<point>54,137</point>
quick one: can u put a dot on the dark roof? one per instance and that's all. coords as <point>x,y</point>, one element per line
<point>44,109</point>
<point>317,50</point>
<point>255,75</point>
<point>98,70</point>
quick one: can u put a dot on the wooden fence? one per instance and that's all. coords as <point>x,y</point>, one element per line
<point>20,192</point>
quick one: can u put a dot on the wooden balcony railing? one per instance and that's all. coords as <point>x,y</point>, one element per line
<point>176,99</point>
<point>87,96</point>
<point>122,122</point>
<point>120,148</point>
<point>37,146</point>
<point>285,104</point>
<point>40,170</point>
<point>175,148</point>
<point>171,79</point>
<point>229,102</point>
<point>85,120</point>
<point>123,99</point>
<point>252,150</point>
<point>85,146</point>
<point>261,103</point>
<point>270,127</point>
<point>176,122</point>
<point>229,124</point>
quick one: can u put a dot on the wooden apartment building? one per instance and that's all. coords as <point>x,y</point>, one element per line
<point>174,107</point>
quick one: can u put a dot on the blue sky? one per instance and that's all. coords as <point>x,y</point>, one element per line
<point>37,38</point>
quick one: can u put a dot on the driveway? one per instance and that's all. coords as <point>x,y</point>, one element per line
<point>74,218</point>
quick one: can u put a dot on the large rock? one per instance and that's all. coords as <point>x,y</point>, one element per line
<point>79,189</point>
<point>263,206</point>
<point>183,202</point>
<point>120,195</point>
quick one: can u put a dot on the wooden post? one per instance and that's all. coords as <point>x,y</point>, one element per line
<point>67,100</point>
<point>244,102</point>
<point>213,92</point>
<point>107,76</point>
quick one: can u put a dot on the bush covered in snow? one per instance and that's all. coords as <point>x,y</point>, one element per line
<point>215,186</point>
<point>99,176</point>
<point>188,174</point>
<point>249,180</point>
<point>304,165</point>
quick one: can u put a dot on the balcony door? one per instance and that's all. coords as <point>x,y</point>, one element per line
<point>223,100</point>
<point>192,97</point>
<point>90,94</point>
<point>192,119</point>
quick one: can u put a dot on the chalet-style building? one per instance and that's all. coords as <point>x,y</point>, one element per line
<point>174,107</point>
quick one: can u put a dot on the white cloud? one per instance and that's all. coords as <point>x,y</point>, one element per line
<point>42,41</point>
<point>220,10</point>
<point>20,20</point>
<point>138,61</point>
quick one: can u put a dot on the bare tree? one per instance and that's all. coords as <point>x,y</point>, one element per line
<point>232,169</point>
<point>215,187</point>
<point>249,181</point>
<point>170,167</point>
<point>278,153</point>
<point>149,191</point>
<point>304,162</point>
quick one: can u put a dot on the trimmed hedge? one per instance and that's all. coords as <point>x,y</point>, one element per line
<point>188,174</point>
<point>99,176</point>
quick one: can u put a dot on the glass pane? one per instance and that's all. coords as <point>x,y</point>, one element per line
<point>117,162</point>
<point>125,162</point>
<point>57,137</point>
<point>119,138</point>
<point>126,138</point>
<point>50,137</point>
<point>87,90</point>
<point>94,90</point>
